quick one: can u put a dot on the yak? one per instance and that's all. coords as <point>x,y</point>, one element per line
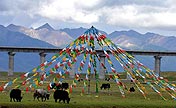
<point>15,94</point>
<point>105,86</point>
<point>61,95</point>
<point>41,93</point>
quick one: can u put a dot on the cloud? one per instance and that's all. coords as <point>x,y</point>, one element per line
<point>145,16</point>
<point>154,3</point>
<point>128,13</point>
<point>70,11</point>
<point>13,7</point>
<point>139,14</point>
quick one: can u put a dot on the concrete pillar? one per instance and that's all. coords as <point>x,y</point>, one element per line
<point>157,64</point>
<point>11,63</point>
<point>42,57</point>
<point>42,60</point>
<point>102,71</point>
<point>72,72</point>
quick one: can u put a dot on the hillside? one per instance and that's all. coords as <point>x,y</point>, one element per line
<point>46,36</point>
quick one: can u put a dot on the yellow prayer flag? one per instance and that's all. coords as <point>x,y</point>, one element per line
<point>88,72</point>
<point>117,58</point>
<point>109,62</point>
<point>34,70</point>
<point>116,76</point>
<point>14,80</point>
<point>35,74</point>
<point>84,57</point>
<point>173,85</point>
<point>71,44</point>
<point>54,57</point>
<point>82,42</point>
<point>88,43</point>
<point>34,79</point>
<point>54,80</point>
<point>147,75</point>
<point>78,69</point>
<point>77,42</point>
<point>17,86</point>
<point>42,68</point>
<point>64,59</point>
<point>64,68</point>
<point>109,43</point>
<point>36,82</point>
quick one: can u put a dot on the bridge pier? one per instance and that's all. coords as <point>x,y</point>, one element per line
<point>42,57</point>
<point>42,60</point>
<point>11,63</point>
<point>157,64</point>
<point>72,72</point>
<point>102,71</point>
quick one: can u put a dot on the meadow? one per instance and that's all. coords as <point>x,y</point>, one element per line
<point>103,99</point>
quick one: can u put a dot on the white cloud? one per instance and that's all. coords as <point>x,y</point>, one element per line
<point>119,13</point>
<point>70,11</point>
<point>133,14</point>
<point>138,16</point>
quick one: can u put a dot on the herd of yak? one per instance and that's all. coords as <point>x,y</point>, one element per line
<point>61,93</point>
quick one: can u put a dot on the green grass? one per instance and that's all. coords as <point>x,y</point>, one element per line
<point>103,99</point>
<point>171,76</point>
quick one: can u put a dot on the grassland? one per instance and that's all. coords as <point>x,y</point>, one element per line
<point>102,99</point>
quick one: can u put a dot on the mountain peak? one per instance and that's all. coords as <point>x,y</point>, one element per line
<point>2,27</point>
<point>151,34</point>
<point>12,26</point>
<point>46,25</point>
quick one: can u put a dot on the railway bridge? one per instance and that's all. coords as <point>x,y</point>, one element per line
<point>43,52</point>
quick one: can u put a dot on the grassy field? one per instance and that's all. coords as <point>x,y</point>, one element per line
<point>102,99</point>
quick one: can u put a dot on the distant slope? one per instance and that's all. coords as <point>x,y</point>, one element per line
<point>45,33</point>
<point>11,38</point>
<point>150,41</point>
<point>76,32</point>
<point>46,36</point>
<point>23,61</point>
<point>47,26</point>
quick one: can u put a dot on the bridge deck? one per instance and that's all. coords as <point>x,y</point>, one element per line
<point>55,50</point>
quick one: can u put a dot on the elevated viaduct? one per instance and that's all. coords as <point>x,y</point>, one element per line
<point>43,51</point>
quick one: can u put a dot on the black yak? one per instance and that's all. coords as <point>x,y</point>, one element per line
<point>61,95</point>
<point>65,86</point>
<point>132,89</point>
<point>105,86</point>
<point>15,94</point>
<point>107,79</point>
<point>59,86</point>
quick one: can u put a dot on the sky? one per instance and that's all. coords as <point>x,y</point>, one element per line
<point>158,16</point>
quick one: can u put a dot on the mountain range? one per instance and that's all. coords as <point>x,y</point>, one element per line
<point>47,36</point>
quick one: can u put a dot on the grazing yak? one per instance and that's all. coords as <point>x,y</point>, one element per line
<point>105,86</point>
<point>41,93</point>
<point>59,86</point>
<point>107,79</point>
<point>15,94</point>
<point>132,89</point>
<point>81,79</point>
<point>61,95</point>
